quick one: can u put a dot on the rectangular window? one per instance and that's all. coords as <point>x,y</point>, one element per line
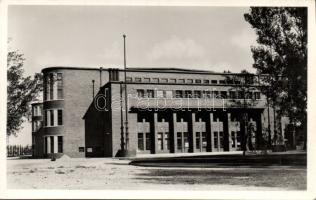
<point>197,141</point>
<point>232,94</point>
<point>214,81</point>
<point>52,144</point>
<point>172,80</point>
<point>237,82</point>
<point>60,94</point>
<point>140,141</point>
<point>249,95</point>
<point>197,94</point>
<point>207,94</point>
<point>146,80</point>
<point>155,80</point>
<point>257,95</point>
<point>230,81</point>
<point>179,94</point>
<point>140,93</point>
<point>240,94</point>
<point>60,117</point>
<point>138,80</point>
<point>51,86</point>
<point>169,94</point>
<point>150,93</point>
<point>222,82</point>
<point>164,80</point>
<point>188,94</point>
<point>205,81</point>
<point>148,141</point>
<point>45,118</point>
<point>60,144</point>
<point>198,81</point>
<point>216,94</point>
<point>224,94</point>
<point>51,117</point>
<point>160,141</point>
<point>129,79</point>
<point>160,94</point>
<point>181,81</point>
<point>189,81</point>
<point>167,140</point>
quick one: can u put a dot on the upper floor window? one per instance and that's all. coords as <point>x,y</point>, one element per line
<point>51,86</point>
<point>179,94</point>
<point>140,93</point>
<point>137,79</point>
<point>214,81</point>
<point>190,81</point>
<point>222,82</point>
<point>53,117</point>
<point>169,94</point>
<point>129,79</point>
<point>197,94</point>
<point>224,94</point>
<point>188,94</point>
<point>155,80</point>
<point>257,95</point>
<point>150,93</point>
<point>146,80</point>
<point>172,80</point>
<point>181,81</point>
<point>207,94</point>
<point>164,80</point>
<point>205,81</point>
<point>232,94</point>
<point>60,94</point>
<point>161,94</point>
<point>197,80</point>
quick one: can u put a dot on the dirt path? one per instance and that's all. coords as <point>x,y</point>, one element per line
<point>108,173</point>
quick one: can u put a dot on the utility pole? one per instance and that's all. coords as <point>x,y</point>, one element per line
<point>126,101</point>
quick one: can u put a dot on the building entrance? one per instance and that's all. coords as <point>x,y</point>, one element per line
<point>183,142</point>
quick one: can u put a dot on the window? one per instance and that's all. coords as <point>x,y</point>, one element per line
<point>179,94</point>
<point>155,80</point>
<point>172,80</point>
<point>45,88</point>
<point>164,80</point>
<point>205,81</point>
<point>45,119</point>
<point>198,81</point>
<point>240,94</point>
<point>160,141</point>
<point>60,117</point>
<point>197,94</point>
<point>138,80</point>
<point>221,139</point>
<point>51,118</point>
<point>197,140</point>
<point>222,82</point>
<point>140,93</point>
<point>207,94</point>
<point>146,80</point>
<point>129,79</point>
<point>257,95</point>
<point>190,81</point>
<point>60,144</point>
<point>140,141</point>
<point>150,93</point>
<point>52,144</point>
<point>188,94</point>
<point>160,94</point>
<point>237,82</point>
<point>215,94</point>
<point>51,86</point>
<point>215,139</point>
<point>232,94</point>
<point>181,81</point>
<point>169,94</point>
<point>230,81</point>
<point>167,140</point>
<point>179,141</point>
<point>214,81</point>
<point>249,95</point>
<point>224,94</point>
<point>148,141</point>
<point>60,86</point>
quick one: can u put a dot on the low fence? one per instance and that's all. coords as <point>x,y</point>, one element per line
<point>18,150</point>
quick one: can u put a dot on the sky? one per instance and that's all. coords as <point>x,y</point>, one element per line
<point>207,38</point>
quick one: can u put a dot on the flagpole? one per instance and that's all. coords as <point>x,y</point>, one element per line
<point>126,101</point>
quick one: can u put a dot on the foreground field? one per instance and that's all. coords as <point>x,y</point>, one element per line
<point>108,173</point>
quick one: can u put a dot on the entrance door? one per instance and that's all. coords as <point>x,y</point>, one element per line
<point>183,142</point>
<point>200,142</point>
<point>163,142</point>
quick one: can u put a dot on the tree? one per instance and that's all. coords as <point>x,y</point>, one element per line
<point>281,54</point>
<point>20,92</point>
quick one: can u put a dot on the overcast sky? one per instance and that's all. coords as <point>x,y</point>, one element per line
<point>208,38</point>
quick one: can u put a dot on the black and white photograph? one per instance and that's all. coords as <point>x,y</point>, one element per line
<point>149,99</point>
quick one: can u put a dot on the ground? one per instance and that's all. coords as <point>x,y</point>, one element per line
<point>113,173</point>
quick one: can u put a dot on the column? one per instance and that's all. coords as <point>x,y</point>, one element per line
<point>193,132</point>
<point>229,132</point>
<point>211,132</point>
<point>48,144</point>
<point>55,144</point>
<point>174,120</point>
<point>155,132</point>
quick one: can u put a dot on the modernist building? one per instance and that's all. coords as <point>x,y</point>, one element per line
<point>168,110</point>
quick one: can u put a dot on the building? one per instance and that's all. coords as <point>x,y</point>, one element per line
<point>168,110</point>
